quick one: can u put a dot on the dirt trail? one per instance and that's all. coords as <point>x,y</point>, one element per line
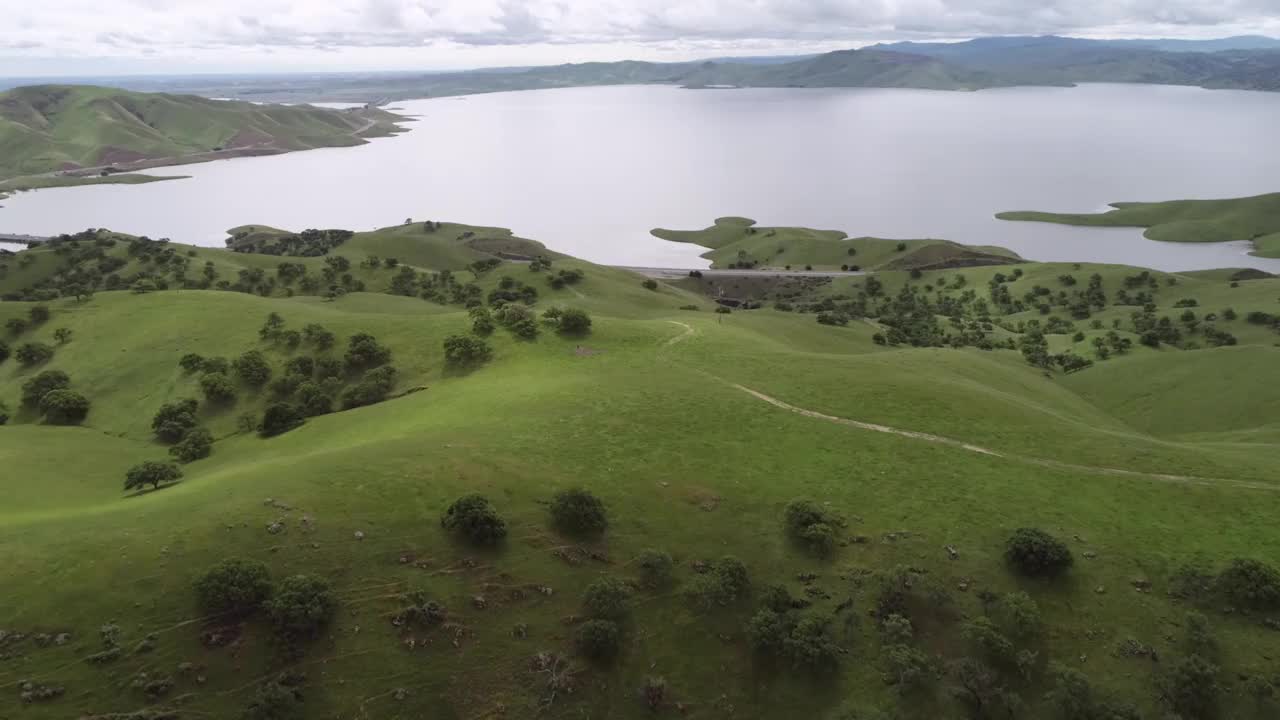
<point>968,447</point>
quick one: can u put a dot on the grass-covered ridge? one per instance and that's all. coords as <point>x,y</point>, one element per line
<point>736,242</point>
<point>84,131</point>
<point>889,585</point>
<point>1256,219</point>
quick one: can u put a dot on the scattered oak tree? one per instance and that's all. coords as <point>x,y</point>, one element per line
<point>151,473</point>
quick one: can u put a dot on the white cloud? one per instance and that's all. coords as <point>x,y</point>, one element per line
<point>292,34</point>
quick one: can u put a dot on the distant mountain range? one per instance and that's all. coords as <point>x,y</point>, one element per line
<point>1246,63</point>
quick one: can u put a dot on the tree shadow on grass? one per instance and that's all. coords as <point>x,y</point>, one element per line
<point>148,491</point>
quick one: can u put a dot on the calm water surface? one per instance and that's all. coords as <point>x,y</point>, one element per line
<point>589,171</point>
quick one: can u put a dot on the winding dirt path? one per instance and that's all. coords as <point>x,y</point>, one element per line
<point>962,445</point>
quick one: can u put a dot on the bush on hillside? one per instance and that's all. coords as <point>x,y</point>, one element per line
<point>1190,687</point>
<point>464,351</point>
<point>302,366</point>
<point>578,512</point>
<point>574,321</point>
<point>191,362</point>
<point>216,365</point>
<point>42,384</point>
<point>1251,584</point>
<point>5,352</point>
<point>313,400</point>
<point>39,314</point>
<point>606,599</point>
<point>364,352</point>
<point>833,318</point>
<point>598,639</point>
<point>724,582</point>
<point>62,335</point>
<point>1073,697</point>
<point>278,419</point>
<point>235,587</point>
<point>197,444</point>
<point>34,353</point>
<point>217,388</point>
<point>173,420</point>
<point>253,368</point>
<point>373,388</point>
<point>1035,553</point>
<point>16,326</point>
<point>301,606</point>
<point>151,473</point>
<point>276,700</point>
<point>474,518</point>
<point>650,284</point>
<point>811,526</point>
<point>64,407</point>
<point>317,336</point>
<point>4,413</point>
<point>481,321</point>
<point>655,568</point>
<point>804,640</point>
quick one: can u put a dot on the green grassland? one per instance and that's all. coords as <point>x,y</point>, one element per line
<point>1143,462</point>
<point>737,242</point>
<point>1253,218</point>
<point>52,128</point>
<point>35,183</point>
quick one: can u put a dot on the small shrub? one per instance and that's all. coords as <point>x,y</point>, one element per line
<point>62,335</point>
<point>420,610</point>
<point>280,418</point>
<point>33,353</point>
<point>373,388</point>
<point>217,388</point>
<point>313,400</point>
<point>5,352</point>
<point>655,568</point>
<point>578,512</point>
<point>317,336</point>
<point>463,351</point>
<point>598,639</point>
<point>236,587</point>
<point>1190,687</point>
<point>1251,584</point>
<point>833,318</point>
<point>896,630</point>
<point>301,607</point>
<point>1019,615</point>
<point>724,582</point>
<point>173,420</point>
<point>606,599</point>
<point>650,284</point>
<point>279,699</point>
<point>151,473</point>
<point>575,321</point>
<point>908,668</point>
<point>196,445</point>
<point>1036,553</point>
<point>811,526</point>
<point>42,384</point>
<point>217,365</point>
<point>364,352</point>
<point>16,326</point>
<point>253,368</point>
<point>474,518</point>
<point>64,407</point>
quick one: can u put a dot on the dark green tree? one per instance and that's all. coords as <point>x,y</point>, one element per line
<point>474,519</point>
<point>151,473</point>
<point>234,587</point>
<point>578,512</point>
<point>64,407</point>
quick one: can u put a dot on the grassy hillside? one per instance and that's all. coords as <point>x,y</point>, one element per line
<point>737,242</point>
<point>695,428</point>
<point>1254,218</point>
<point>50,129</point>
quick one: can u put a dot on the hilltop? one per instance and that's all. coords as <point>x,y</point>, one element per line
<point>1240,63</point>
<point>66,134</point>
<point>1255,219</point>
<point>1032,487</point>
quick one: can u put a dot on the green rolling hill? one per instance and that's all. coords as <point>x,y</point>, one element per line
<point>83,130</point>
<point>925,415</point>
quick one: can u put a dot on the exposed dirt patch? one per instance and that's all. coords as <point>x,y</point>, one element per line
<point>702,498</point>
<point>584,351</point>
<point>120,156</point>
<point>249,138</point>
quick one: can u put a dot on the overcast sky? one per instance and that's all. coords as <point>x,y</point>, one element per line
<point>69,37</point>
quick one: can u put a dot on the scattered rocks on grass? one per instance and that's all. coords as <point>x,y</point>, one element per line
<point>700,566</point>
<point>153,686</point>
<point>147,645</point>
<point>860,539</point>
<point>359,535</point>
<point>520,631</point>
<point>62,638</point>
<point>32,693</point>
<point>1089,554</point>
<point>1134,648</point>
<point>806,577</point>
<point>952,552</point>
<point>220,636</point>
<point>479,602</point>
<point>276,527</point>
<point>1100,590</point>
<point>399,694</point>
<point>272,502</point>
<point>104,657</point>
<point>1141,584</point>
